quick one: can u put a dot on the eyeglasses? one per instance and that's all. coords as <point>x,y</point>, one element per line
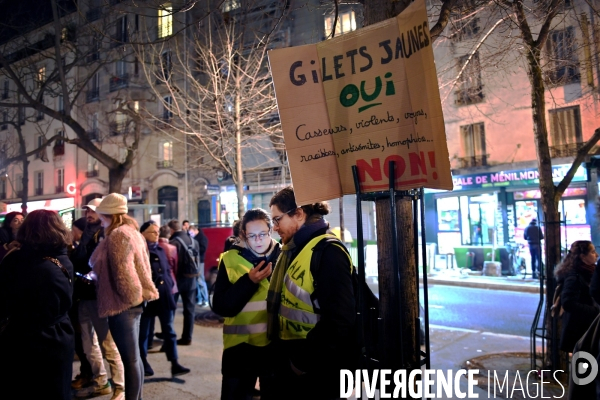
<point>260,236</point>
<point>277,219</point>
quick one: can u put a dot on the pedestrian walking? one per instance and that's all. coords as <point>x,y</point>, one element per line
<point>534,235</point>
<point>202,240</point>
<point>121,268</point>
<point>311,303</point>
<point>575,274</point>
<point>35,297</point>
<point>162,308</point>
<point>240,296</point>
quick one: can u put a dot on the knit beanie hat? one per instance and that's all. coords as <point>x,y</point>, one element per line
<point>146,225</point>
<point>114,203</point>
<point>80,223</point>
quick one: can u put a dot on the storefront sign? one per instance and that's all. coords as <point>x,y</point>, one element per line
<point>212,190</point>
<point>514,178</point>
<point>363,99</point>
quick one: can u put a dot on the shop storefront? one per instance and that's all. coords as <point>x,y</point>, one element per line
<point>493,208</point>
<point>64,206</point>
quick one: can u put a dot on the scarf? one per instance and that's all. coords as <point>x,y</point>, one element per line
<point>313,224</point>
<point>152,246</point>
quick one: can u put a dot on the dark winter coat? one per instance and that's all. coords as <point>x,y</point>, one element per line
<point>37,295</point>
<point>580,310</point>
<point>185,284</point>
<point>80,257</point>
<point>203,243</point>
<point>533,234</point>
<point>161,276</point>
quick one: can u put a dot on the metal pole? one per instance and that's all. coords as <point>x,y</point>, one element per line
<point>425,288</point>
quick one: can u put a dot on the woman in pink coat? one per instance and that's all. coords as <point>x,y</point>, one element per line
<point>121,268</point>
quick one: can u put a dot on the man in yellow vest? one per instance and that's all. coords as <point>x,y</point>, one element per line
<point>311,305</point>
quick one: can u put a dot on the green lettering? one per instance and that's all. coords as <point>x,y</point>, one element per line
<point>349,95</point>
<point>373,96</point>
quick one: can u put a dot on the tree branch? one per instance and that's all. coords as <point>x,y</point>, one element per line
<point>581,153</point>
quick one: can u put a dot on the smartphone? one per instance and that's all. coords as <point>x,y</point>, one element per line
<point>85,278</point>
<point>264,265</point>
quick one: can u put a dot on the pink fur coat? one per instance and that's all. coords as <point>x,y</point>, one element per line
<point>122,269</point>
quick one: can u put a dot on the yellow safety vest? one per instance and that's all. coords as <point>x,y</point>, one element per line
<point>250,325</point>
<point>296,314</point>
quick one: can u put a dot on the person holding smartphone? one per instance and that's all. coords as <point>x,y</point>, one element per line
<point>240,296</point>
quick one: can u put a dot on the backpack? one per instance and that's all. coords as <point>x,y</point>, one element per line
<point>367,341</point>
<point>189,265</point>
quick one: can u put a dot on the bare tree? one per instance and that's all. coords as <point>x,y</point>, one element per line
<point>216,93</point>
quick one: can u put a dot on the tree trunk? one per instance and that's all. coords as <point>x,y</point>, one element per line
<point>115,178</point>
<point>399,318</point>
<point>25,180</point>
<point>239,183</point>
<point>399,326</point>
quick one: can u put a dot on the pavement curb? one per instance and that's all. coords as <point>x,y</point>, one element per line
<point>466,282</point>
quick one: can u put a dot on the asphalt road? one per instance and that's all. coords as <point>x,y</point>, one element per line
<point>485,310</point>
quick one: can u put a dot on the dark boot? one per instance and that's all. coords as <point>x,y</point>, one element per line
<point>177,369</point>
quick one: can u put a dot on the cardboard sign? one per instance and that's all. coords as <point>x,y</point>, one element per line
<point>364,98</point>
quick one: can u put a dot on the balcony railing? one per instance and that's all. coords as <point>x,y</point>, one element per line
<point>92,95</point>
<point>91,174</point>
<point>93,134</point>
<point>473,161</point>
<point>93,14</point>
<point>118,128</point>
<point>39,191</point>
<point>60,188</point>
<point>469,96</point>
<point>565,150</point>
<point>164,164</point>
<point>119,82</point>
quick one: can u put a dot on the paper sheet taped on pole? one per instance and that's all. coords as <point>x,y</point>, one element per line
<point>363,98</point>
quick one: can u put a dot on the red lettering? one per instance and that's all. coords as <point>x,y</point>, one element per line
<point>373,169</point>
<point>400,166</point>
<point>417,161</point>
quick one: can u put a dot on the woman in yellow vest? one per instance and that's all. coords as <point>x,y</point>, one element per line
<point>240,296</point>
<point>311,305</point>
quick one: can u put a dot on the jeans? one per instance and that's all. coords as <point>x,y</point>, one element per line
<point>534,250</point>
<point>125,329</point>
<point>202,288</point>
<point>97,341</point>
<point>169,336</point>
<point>188,298</point>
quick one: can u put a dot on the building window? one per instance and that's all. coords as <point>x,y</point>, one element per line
<point>19,185</point>
<point>463,27</point>
<point>472,138</point>
<point>93,93</point>
<point>93,126</point>
<point>469,86</point>
<point>94,54</point>
<point>21,113</point>
<point>59,145</point>
<point>230,5</point>
<point>92,167</point>
<point>165,154</point>
<point>61,104</point>
<point>166,65</point>
<point>41,76</point>
<point>41,140</point>
<point>119,127</point>
<point>167,113</point>
<point>165,20</point>
<point>562,53</point>
<point>39,183</point>
<point>121,79</point>
<point>60,180</point>
<point>4,125</point>
<point>122,35</point>
<point>5,89</point>
<point>40,114</point>
<point>3,188</point>
<point>346,22</point>
<point>565,131</point>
